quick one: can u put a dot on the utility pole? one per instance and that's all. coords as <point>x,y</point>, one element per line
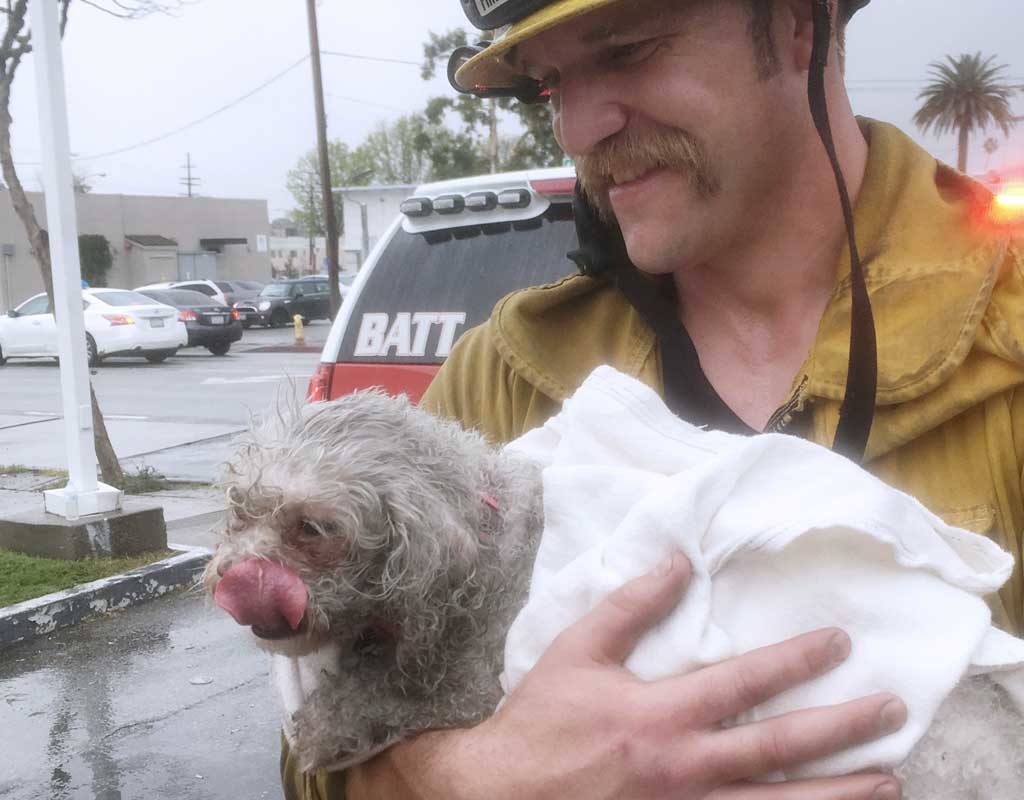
<point>330,220</point>
<point>188,181</point>
<point>311,232</point>
<point>493,144</point>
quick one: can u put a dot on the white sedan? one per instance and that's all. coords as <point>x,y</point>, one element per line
<point>117,323</point>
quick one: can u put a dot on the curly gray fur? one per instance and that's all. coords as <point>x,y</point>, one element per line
<point>416,580</point>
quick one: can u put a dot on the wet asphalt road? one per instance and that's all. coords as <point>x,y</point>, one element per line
<point>169,699</point>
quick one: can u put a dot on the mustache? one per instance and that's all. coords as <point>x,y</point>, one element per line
<point>649,149</point>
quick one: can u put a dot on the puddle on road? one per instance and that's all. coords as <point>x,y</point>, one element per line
<point>107,710</point>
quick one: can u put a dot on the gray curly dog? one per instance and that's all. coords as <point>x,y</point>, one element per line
<point>406,543</point>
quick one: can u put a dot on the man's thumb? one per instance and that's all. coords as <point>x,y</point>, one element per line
<point>609,633</point>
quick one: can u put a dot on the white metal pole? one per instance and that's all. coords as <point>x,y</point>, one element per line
<point>84,494</point>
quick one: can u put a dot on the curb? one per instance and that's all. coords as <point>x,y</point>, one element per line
<point>206,518</point>
<point>286,348</point>
<point>25,621</point>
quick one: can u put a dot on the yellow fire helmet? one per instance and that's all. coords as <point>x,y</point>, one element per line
<point>483,70</point>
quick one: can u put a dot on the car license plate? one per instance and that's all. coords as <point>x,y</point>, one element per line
<point>218,320</point>
<point>156,322</point>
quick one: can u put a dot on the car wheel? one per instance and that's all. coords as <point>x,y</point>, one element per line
<point>159,356</point>
<point>279,318</point>
<point>92,355</point>
<point>3,359</point>
<point>219,349</point>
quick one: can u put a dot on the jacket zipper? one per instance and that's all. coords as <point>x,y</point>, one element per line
<point>783,415</point>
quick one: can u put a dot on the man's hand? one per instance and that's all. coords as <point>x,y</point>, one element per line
<point>581,726</point>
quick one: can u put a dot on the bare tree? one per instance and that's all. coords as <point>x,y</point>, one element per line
<point>14,45</point>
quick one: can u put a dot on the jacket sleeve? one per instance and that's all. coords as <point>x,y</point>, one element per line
<point>477,388</point>
<point>300,785</point>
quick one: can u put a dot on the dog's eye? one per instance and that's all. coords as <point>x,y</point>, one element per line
<point>310,529</point>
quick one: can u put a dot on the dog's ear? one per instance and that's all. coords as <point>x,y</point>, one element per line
<point>429,542</point>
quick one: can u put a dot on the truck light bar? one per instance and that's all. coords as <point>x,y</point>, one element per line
<point>514,198</point>
<point>449,204</point>
<point>481,201</point>
<point>417,207</point>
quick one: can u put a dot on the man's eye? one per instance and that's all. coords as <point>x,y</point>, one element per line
<point>634,52</point>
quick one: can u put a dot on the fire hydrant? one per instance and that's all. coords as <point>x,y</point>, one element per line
<point>300,333</point>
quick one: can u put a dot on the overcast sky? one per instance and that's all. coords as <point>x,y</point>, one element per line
<point>132,81</point>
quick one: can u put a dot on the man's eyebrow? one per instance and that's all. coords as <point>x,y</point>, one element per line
<point>599,34</point>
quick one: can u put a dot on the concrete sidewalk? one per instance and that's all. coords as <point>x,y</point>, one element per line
<point>192,514</point>
<point>38,443</point>
<point>168,702</point>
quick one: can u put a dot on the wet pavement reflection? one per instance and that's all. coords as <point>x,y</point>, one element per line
<point>170,699</point>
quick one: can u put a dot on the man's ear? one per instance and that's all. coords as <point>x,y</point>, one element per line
<point>795,33</point>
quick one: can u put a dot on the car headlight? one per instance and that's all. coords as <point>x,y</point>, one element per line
<point>265,305</point>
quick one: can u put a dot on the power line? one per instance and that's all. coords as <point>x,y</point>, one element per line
<point>204,118</point>
<point>363,102</point>
<point>236,101</point>
<point>381,59</point>
<point>909,80</point>
<point>186,126</point>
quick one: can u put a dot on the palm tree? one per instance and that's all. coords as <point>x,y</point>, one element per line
<point>965,95</point>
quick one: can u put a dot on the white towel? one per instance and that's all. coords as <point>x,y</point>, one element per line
<point>784,537</point>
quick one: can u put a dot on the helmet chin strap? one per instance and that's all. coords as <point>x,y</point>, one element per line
<point>602,254</point>
<point>858,407</point>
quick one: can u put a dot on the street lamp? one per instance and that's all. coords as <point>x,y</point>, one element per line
<point>364,245</point>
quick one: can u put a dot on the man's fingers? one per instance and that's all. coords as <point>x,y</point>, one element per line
<point>853,787</point>
<point>609,633</point>
<point>796,738</point>
<point>739,684</point>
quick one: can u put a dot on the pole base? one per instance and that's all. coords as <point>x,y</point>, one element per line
<point>139,529</point>
<point>72,505</point>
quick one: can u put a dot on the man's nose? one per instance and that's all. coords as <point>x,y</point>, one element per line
<point>587,110</point>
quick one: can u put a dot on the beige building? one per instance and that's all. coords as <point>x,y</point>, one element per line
<point>151,238</point>
<point>290,252</point>
<point>381,204</point>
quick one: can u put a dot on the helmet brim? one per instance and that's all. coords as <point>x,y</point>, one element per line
<point>490,68</point>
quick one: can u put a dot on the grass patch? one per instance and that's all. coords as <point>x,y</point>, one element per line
<point>144,480</point>
<point>19,469</point>
<point>23,577</point>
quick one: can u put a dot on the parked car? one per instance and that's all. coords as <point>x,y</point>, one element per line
<point>203,286</point>
<point>280,301</point>
<point>239,291</point>
<point>212,325</point>
<point>117,323</point>
<point>455,250</point>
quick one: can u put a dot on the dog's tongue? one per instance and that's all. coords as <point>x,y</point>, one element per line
<point>262,593</point>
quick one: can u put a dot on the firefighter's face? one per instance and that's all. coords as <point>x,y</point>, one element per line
<point>679,124</point>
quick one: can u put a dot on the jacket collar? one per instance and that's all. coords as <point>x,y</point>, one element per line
<point>947,296</point>
<point>936,276</point>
